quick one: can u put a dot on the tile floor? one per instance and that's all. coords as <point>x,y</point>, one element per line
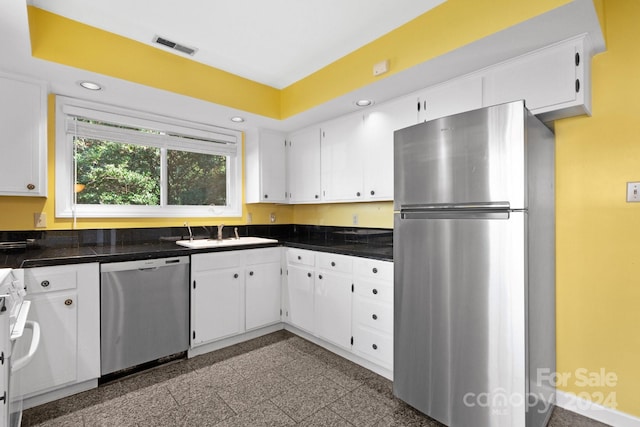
<point>276,380</point>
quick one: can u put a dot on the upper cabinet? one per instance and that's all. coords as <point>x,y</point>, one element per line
<point>23,142</point>
<point>341,159</point>
<point>350,158</point>
<point>303,166</point>
<point>554,81</point>
<point>457,96</point>
<point>266,172</point>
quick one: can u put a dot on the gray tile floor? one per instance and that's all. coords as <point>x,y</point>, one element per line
<point>276,380</point>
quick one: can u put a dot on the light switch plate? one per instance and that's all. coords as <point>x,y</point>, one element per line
<point>633,192</point>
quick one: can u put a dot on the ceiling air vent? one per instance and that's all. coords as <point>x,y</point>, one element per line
<point>176,46</point>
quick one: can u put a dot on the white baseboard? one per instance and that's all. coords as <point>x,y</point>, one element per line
<point>595,411</point>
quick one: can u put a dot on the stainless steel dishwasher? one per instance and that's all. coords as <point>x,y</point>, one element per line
<point>144,311</point>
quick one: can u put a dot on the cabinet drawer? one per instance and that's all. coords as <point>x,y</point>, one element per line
<point>378,291</point>
<point>262,256</point>
<point>49,279</point>
<point>373,314</point>
<point>333,262</point>
<point>300,256</point>
<point>214,261</point>
<point>374,269</point>
<point>374,345</point>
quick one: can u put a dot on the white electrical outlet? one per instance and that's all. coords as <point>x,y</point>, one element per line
<point>633,192</point>
<point>381,67</point>
<point>272,217</point>
<point>354,219</point>
<point>39,219</point>
<point>249,217</point>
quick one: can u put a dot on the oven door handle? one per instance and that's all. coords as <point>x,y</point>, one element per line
<point>33,347</point>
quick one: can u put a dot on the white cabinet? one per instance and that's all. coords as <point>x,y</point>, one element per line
<point>217,296</point>
<point>232,292</point>
<point>23,143</point>
<point>373,311</point>
<point>453,97</point>
<point>343,300</point>
<point>300,288</point>
<point>376,147</point>
<point>265,160</point>
<point>303,166</point>
<point>342,160</point>
<point>332,304</point>
<point>262,287</point>
<point>553,81</point>
<point>65,302</point>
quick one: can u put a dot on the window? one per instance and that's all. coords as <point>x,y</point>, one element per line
<point>111,162</point>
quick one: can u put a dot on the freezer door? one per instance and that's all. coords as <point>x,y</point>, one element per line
<point>471,157</point>
<point>459,318</point>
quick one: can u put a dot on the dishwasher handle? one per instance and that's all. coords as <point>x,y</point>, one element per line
<point>145,264</point>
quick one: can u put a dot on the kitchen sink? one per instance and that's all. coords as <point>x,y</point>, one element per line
<point>214,243</point>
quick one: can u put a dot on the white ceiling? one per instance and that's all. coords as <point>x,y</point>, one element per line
<point>575,18</point>
<point>275,42</point>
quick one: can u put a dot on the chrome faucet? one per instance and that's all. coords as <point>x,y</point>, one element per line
<point>186,224</point>
<point>220,231</point>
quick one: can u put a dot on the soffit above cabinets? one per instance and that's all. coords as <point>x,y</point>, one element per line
<point>275,42</point>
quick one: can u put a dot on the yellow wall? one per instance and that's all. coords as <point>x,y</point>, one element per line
<point>598,233</point>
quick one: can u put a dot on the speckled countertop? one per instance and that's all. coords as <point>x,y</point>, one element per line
<point>83,247</point>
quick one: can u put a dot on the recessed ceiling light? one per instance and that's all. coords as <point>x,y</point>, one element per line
<point>90,85</point>
<point>237,119</point>
<point>364,102</point>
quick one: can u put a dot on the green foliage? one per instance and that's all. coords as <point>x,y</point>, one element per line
<point>196,179</point>
<point>127,174</point>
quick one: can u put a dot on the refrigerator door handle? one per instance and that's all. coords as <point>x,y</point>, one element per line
<point>456,214</point>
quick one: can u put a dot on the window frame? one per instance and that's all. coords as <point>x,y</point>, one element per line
<point>65,205</point>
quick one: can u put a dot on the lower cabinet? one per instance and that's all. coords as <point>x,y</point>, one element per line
<point>344,300</point>
<point>232,292</point>
<point>373,311</point>
<point>332,305</point>
<point>65,303</point>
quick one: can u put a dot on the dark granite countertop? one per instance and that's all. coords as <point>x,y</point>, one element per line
<point>82,249</point>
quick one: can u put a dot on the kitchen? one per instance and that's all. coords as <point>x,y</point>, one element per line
<point>595,225</point>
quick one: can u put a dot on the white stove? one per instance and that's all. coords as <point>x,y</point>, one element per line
<point>13,322</point>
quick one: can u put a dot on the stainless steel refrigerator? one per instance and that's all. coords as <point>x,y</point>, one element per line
<point>474,255</point>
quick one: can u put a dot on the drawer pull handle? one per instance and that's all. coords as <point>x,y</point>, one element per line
<point>44,283</point>
<point>299,257</point>
<point>375,346</point>
<point>375,270</point>
<point>375,317</point>
<point>333,264</point>
<point>320,276</point>
<point>308,274</point>
<point>375,292</point>
<point>251,273</point>
<point>235,276</point>
<point>68,301</point>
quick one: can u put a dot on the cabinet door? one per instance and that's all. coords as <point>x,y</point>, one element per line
<point>55,361</point>
<point>332,308</point>
<point>300,289</point>
<point>265,171</point>
<point>545,79</point>
<point>23,164</point>
<point>376,147</point>
<point>457,96</point>
<point>342,159</point>
<point>262,294</point>
<point>217,304</point>
<point>303,166</point>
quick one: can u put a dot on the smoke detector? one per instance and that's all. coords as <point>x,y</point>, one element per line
<point>175,46</point>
